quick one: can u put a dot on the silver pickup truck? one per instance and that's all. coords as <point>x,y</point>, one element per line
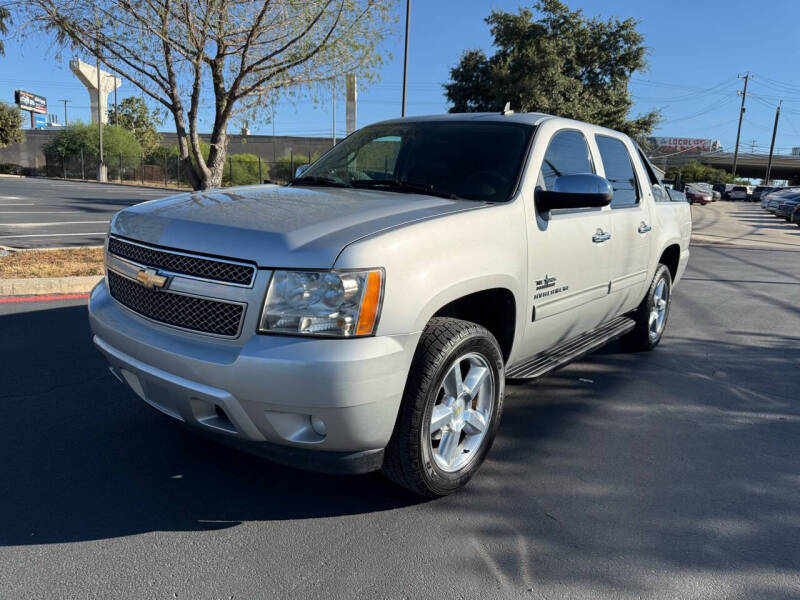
<point>367,315</point>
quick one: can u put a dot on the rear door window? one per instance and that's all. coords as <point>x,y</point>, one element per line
<point>619,171</point>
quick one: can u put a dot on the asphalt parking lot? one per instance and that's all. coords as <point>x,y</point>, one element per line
<point>670,474</point>
<point>41,213</point>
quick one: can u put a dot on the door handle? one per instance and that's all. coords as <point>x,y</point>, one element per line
<point>644,227</point>
<point>600,237</point>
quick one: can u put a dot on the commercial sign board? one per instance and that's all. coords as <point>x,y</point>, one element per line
<point>39,121</point>
<point>676,144</point>
<point>30,102</point>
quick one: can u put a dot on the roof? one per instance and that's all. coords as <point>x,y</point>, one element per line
<point>527,118</point>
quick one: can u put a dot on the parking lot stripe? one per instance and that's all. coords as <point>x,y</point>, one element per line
<point>55,224</point>
<point>16,203</point>
<point>30,235</point>
<point>38,212</point>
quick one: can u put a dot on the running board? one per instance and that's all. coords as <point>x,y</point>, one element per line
<point>571,350</point>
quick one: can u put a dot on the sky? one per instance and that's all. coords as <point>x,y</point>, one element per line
<point>697,49</point>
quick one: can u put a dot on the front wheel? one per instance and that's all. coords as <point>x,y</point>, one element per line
<point>651,316</point>
<point>450,410</point>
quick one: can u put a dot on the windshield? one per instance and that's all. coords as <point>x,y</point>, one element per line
<point>458,159</point>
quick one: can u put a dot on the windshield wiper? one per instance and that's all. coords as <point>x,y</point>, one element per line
<point>402,186</point>
<point>316,180</point>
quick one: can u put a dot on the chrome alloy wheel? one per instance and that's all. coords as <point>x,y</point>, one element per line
<point>659,311</point>
<point>460,418</point>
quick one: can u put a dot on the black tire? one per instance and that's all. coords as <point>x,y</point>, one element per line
<point>640,338</point>
<point>408,460</point>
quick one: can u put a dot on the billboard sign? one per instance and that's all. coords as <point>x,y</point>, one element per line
<point>676,144</point>
<point>30,102</point>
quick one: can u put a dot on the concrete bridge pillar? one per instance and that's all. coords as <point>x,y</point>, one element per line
<point>88,76</point>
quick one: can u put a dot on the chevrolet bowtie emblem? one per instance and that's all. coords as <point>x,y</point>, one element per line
<point>150,279</point>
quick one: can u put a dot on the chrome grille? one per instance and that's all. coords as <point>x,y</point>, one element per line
<point>194,266</point>
<point>187,312</point>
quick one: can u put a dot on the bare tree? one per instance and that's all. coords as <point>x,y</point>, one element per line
<point>246,51</point>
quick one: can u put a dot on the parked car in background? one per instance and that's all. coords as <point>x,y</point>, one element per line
<point>769,202</point>
<point>785,207</point>
<point>697,195</point>
<point>707,187</point>
<point>796,215</point>
<point>772,203</point>
<point>739,192</point>
<point>762,190</point>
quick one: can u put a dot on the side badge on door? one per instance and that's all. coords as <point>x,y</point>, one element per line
<point>547,287</point>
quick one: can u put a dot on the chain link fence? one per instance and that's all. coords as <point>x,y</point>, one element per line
<point>165,171</point>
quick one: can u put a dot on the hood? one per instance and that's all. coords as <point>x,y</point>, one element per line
<point>275,226</point>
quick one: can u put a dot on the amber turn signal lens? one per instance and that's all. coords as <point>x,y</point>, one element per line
<point>370,302</point>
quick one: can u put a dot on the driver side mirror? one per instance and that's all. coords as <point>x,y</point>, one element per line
<point>301,169</point>
<point>584,190</point>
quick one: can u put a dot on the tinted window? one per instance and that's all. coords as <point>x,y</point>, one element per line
<point>567,154</point>
<point>659,195</point>
<point>619,170</point>
<point>472,160</point>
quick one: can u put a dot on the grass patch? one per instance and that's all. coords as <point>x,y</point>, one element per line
<point>68,262</point>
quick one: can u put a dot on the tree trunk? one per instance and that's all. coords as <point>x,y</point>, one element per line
<point>217,153</point>
<point>183,149</point>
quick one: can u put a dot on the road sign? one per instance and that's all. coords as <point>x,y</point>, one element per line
<point>39,121</point>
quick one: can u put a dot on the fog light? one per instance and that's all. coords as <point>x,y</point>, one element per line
<point>318,425</point>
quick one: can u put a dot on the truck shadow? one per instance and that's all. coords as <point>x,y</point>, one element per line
<point>87,460</point>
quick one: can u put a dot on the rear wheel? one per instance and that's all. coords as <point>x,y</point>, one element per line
<point>450,410</point>
<point>652,314</point>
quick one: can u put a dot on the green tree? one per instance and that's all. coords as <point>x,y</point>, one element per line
<point>142,122</point>
<point>231,55</point>
<point>555,61</point>
<point>242,169</point>
<point>10,125</point>
<point>120,147</point>
<point>693,171</point>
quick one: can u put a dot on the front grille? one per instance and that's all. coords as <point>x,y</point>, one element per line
<point>188,312</point>
<point>195,266</point>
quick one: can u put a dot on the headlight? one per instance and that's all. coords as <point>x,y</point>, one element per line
<point>323,303</point>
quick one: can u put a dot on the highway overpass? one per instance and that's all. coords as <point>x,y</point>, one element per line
<point>784,166</point>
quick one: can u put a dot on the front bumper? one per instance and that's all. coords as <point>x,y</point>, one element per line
<point>261,392</point>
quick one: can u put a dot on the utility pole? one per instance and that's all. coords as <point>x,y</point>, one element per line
<point>753,146</point>
<point>772,144</point>
<point>116,112</point>
<point>405,60</point>
<point>746,78</point>
<point>65,111</point>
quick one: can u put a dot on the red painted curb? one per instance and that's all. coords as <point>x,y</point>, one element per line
<point>42,298</point>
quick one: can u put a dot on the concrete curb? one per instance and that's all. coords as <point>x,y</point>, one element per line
<point>48,286</point>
